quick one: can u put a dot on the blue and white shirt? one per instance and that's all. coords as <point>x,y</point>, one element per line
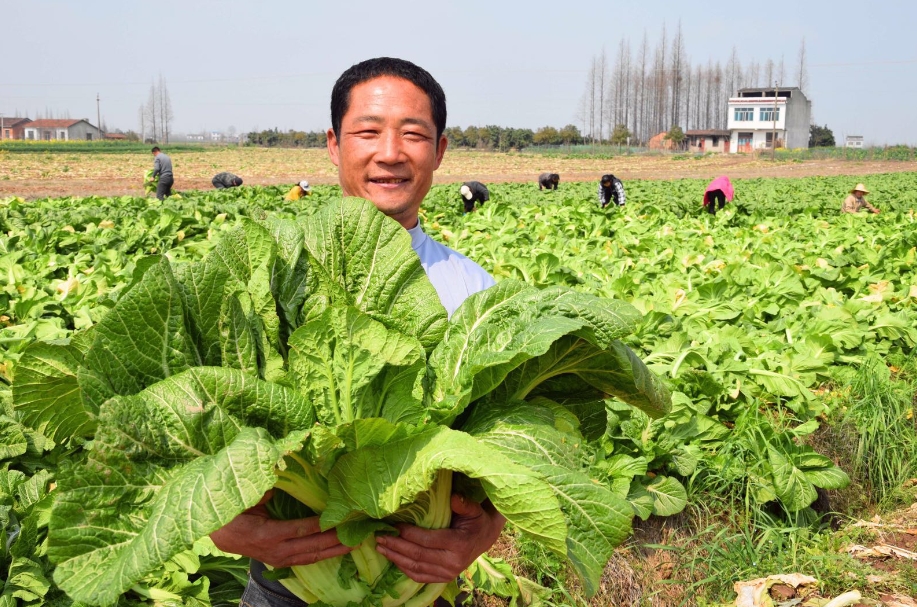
<point>453,275</point>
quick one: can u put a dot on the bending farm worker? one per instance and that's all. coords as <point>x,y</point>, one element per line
<point>548,181</point>
<point>474,192</point>
<point>611,189</point>
<point>856,201</point>
<point>226,180</point>
<point>388,117</point>
<point>717,193</point>
<point>299,190</point>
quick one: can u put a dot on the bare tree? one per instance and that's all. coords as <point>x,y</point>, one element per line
<point>802,68</point>
<point>678,53</point>
<point>640,125</point>
<point>152,112</point>
<point>733,72</point>
<point>157,112</point>
<point>688,91</point>
<point>769,73</point>
<point>165,109</point>
<point>582,112</point>
<point>719,105</point>
<point>660,84</point>
<point>622,90</point>
<point>589,104</point>
<point>754,75</point>
<point>780,74</point>
<point>141,115</point>
<point>601,78</point>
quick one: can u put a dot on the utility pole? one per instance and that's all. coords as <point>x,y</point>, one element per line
<point>1,125</point>
<point>774,135</point>
<point>98,117</point>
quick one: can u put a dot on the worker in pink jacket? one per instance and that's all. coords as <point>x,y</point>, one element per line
<point>717,193</point>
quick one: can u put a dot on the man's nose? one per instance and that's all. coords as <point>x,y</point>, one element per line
<point>390,148</point>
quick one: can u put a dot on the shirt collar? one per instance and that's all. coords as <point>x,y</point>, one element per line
<point>417,236</point>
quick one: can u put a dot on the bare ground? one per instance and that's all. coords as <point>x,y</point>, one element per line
<point>40,175</point>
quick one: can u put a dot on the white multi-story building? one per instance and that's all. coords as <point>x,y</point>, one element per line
<point>755,115</point>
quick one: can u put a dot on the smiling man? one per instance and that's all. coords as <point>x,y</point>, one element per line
<point>388,117</point>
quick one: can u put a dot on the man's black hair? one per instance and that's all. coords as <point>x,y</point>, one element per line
<point>387,66</point>
<point>156,149</point>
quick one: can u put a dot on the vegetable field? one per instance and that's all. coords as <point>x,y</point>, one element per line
<point>758,325</point>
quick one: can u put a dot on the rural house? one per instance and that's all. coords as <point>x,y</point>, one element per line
<point>64,129</point>
<point>853,141</point>
<point>12,128</point>
<point>754,114</point>
<point>710,140</point>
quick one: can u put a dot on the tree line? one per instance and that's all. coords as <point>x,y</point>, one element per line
<point>648,90</point>
<point>489,137</point>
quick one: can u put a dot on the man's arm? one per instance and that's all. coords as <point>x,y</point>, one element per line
<point>440,555</point>
<point>278,543</point>
<point>157,167</point>
<point>619,188</point>
<point>870,207</point>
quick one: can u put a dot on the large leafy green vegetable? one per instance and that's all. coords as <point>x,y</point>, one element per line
<point>315,359</point>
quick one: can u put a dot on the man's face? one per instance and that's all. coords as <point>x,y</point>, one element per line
<point>388,147</point>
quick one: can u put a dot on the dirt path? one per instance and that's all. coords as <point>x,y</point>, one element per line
<point>40,175</point>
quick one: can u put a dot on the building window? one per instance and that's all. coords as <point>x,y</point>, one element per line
<point>745,114</point>
<point>716,141</point>
<point>770,114</point>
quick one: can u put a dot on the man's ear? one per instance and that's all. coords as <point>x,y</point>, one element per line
<point>333,147</point>
<point>441,150</point>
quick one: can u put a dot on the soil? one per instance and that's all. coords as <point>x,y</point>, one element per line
<point>67,174</point>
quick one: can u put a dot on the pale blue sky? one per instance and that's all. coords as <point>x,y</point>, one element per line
<point>515,64</point>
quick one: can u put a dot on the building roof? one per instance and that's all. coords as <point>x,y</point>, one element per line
<point>9,121</point>
<point>708,133</point>
<point>115,136</point>
<point>54,123</point>
<point>767,92</point>
<point>768,89</point>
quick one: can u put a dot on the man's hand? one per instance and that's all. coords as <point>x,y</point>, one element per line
<point>278,543</point>
<point>875,211</point>
<point>440,555</point>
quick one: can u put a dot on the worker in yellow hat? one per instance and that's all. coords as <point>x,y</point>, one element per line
<point>856,201</point>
